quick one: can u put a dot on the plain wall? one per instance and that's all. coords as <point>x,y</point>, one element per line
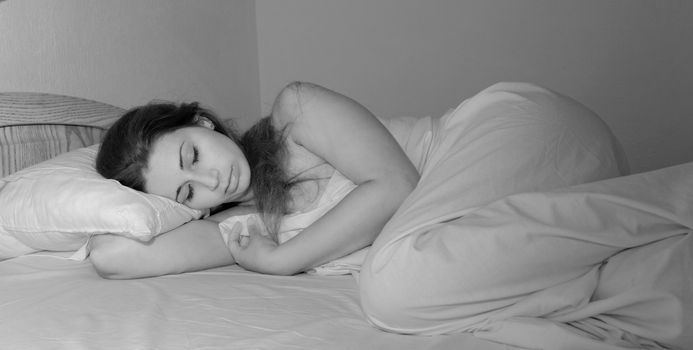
<point>128,52</point>
<point>629,60</point>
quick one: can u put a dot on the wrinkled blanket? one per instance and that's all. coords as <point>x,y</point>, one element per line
<point>604,265</point>
<point>489,246</point>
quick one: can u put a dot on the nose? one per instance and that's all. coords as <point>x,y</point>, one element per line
<point>208,178</point>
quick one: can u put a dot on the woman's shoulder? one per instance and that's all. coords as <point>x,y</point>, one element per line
<point>290,102</point>
<point>293,117</point>
<point>306,104</point>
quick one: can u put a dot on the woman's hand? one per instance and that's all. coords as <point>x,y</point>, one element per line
<point>255,252</point>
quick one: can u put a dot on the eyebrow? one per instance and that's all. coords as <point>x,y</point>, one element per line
<point>180,164</point>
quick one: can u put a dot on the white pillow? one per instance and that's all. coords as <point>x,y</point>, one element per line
<point>58,204</point>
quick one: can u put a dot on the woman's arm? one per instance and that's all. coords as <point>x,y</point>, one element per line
<point>350,138</point>
<point>196,245</point>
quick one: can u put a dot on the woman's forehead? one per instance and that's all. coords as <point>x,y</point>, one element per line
<point>167,142</point>
<point>170,139</point>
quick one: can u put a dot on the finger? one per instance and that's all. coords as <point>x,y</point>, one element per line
<point>243,241</point>
<point>234,233</point>
<point>234,238</point>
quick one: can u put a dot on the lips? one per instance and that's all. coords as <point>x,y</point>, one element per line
<point>232,181</point>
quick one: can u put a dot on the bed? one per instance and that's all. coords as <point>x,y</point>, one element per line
<point>53,300</point>
<point>590,283</point>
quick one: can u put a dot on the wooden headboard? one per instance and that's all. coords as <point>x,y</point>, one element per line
<point>38,126</point>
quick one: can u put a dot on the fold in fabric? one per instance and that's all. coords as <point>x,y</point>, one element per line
<point>522,230</point>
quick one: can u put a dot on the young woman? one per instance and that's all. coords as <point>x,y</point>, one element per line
<point>460,236</point>
<point>183,153</point>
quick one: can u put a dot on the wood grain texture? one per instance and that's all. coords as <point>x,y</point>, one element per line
<point>38,126</point>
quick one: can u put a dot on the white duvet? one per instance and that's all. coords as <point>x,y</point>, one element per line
<point>522,231</point>
<point>604,265</point>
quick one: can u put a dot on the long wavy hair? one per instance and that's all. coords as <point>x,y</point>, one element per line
<point>126,146</point>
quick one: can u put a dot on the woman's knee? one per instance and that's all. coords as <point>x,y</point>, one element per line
<point>393,297</point>
<point>384,303</point>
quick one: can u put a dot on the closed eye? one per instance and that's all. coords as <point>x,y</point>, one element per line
<point>196,155</point>
<point>191,193</point>
<point>191,190</point>
<point>193,161</point>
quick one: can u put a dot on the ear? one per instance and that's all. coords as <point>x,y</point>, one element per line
<point>204,122</point>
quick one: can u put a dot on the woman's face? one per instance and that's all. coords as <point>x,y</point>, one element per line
<point>198,167</point>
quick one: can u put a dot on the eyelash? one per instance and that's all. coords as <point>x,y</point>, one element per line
<point>196,155</point>
<point>190,193</point>
<point>191,190</point>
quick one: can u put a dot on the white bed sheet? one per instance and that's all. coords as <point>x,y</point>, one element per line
<point>47,302</point>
